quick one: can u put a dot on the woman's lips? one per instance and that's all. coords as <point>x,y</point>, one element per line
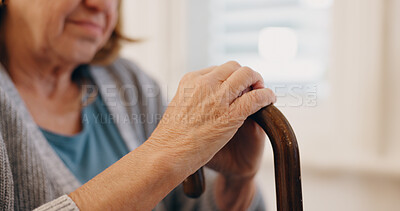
<point>89,27</point>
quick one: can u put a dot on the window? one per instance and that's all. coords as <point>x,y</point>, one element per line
<point>286,40</point>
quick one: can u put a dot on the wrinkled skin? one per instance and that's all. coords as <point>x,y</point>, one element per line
<point>45,42</point>
<point>241,157</point>
<point>209,110</point>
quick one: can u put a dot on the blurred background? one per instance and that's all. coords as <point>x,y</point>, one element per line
<point>333,64</point>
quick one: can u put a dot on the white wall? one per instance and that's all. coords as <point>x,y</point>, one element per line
<point>391,92</point>
<point>160,25</point>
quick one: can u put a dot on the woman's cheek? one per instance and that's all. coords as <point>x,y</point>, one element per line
<point>112,22</point>
<point>113,16</point>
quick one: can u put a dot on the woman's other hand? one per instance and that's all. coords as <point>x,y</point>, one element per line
<point>240,159</point>
<point>237,163</point>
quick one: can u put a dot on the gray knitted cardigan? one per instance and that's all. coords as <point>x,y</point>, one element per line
<point>32,176</point>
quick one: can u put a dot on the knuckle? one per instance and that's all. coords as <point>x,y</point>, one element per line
<point>259,76</point>
<point>234,63</point>
<point>226,90</point>
<point>247,71</point>
<point>187,76</point>
<point>185,80</point>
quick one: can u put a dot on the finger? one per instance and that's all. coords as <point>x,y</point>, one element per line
<point>223,72</point>
<point>241,80</point>
<point>258,85</point>
<point>251,102</point>
<point>206,70</point>
<point>245,91</point>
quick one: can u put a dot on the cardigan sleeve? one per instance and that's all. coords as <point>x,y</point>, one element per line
<point>7,186</point>
<point>6,181</point>
<point>60,204</point>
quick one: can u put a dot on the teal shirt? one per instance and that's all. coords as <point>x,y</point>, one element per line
<point>95,148</point>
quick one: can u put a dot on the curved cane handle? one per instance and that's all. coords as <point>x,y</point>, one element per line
<point>286,158</point>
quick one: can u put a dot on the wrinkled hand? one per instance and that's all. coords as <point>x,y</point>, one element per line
<point>208,109</point>
<point>241,157</point>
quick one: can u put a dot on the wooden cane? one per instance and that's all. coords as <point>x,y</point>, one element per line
<point>286,160</point>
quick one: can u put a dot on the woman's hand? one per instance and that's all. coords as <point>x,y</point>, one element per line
<point>207,111</point>
<point>240,159</point>
<point>237,164</point>
<point>203,121</point>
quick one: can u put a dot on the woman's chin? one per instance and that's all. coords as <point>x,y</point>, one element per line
<point>78,56</point>
<point>76,52</point>
<point>83,59</point>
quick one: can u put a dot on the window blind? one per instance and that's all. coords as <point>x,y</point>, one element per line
<point>236,32</point>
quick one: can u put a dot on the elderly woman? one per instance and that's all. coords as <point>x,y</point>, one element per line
<point>81,129</point>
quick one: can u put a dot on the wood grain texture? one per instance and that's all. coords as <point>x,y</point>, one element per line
<point>286,159</point>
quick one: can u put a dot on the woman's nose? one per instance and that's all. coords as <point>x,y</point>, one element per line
<point>101,5</point>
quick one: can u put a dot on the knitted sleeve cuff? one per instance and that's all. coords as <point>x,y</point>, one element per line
<point>60,204</point>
